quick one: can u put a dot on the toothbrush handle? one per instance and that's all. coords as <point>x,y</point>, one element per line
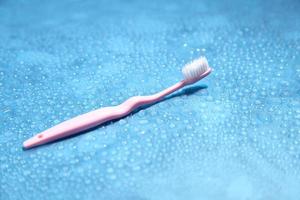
<point>96,117</point>
<point>73,126</point>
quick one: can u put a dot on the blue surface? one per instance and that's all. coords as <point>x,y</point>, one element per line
<point>237,138</point>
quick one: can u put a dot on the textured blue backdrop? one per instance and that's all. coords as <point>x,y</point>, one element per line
<point>237,138</point>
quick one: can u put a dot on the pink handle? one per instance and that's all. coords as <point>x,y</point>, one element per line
<point>96,117</point>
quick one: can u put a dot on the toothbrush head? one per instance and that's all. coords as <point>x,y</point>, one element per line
<point>196,70</point>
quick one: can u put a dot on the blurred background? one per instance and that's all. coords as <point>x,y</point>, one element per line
<point>233,136</point>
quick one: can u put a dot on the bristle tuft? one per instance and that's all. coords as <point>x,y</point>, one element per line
<point>195,69</point>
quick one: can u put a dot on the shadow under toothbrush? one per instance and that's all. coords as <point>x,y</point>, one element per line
<point>186,91</point>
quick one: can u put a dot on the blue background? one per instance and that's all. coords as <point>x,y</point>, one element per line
<point>233,136</point>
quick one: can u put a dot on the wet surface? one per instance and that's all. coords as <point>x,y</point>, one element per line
<point>234,136</point>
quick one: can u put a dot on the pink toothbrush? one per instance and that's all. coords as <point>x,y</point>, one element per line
<point>193,72</point>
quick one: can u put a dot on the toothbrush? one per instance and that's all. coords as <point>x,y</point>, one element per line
<point>192,72</point>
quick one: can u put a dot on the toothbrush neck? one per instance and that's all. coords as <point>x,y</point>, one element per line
<point>170,90</point>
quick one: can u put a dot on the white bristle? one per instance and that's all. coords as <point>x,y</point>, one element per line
<point>195,69</point>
